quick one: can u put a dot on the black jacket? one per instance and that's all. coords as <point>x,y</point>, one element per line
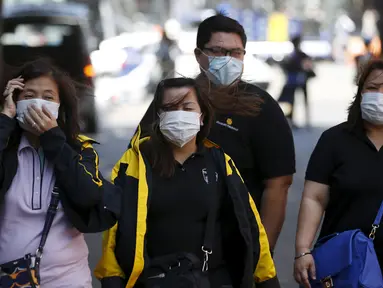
<point>124,251</point>
<point>84,193</point>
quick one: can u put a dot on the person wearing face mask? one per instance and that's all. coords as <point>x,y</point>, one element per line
<point>50,188</point>
<point>344,176</point>
<point>187,219</point>
<point>249,124</point>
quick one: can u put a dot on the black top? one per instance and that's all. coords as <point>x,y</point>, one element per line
<point>293,62</point>
<point>262,147</point>
<point>179,207</point>
<point>348,162</point>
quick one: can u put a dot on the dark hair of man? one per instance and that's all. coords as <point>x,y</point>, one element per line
<point>218,23</point>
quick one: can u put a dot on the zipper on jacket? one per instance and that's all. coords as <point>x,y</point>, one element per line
<point>162,275</point>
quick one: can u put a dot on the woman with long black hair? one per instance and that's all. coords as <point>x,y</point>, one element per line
<point>186,216</point>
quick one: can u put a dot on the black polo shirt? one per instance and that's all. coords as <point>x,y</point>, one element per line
<point>179,207</point>
<point>348,162</point>
<point>262,147</point>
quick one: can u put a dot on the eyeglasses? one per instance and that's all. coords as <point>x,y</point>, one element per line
<point>219,51</point>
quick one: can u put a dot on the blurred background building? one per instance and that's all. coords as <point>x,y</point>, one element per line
<point>265,20</point>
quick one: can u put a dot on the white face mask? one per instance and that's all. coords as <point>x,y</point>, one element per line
<point>22,109</point>
<point>372,107</point>
<point>224,70</point>
<point>179,127</point>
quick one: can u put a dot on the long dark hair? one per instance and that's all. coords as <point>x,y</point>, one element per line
<point>157,149</point>
<point>68,119</point>
<point>234,99</point>
<point>354,111</point>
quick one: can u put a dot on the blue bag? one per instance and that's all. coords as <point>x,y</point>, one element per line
<point>348,259</point>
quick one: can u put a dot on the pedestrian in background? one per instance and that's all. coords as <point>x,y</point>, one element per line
<point>362,60</point>
<point>44,162</point>
<point>249,124</point>
<point>167,53</point>
<point>344,175</point>
<point>298,68</point>
<point>187,217</point>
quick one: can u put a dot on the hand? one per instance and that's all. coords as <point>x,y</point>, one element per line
<point>9,108</point>
<point>40,120</point>
<point>302,267</point>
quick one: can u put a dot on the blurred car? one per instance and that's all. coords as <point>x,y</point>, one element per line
<point>135,72</point>
<point>61,33</point>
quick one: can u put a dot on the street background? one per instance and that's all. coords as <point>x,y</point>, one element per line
<point>126,68</point>
<point>331,93</point>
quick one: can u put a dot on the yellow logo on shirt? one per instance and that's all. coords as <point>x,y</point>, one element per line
<point>229,121</point>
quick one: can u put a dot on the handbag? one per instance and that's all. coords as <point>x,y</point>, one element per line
<point>184,270</point>
<point>348,259</point>
<point>24,272</point>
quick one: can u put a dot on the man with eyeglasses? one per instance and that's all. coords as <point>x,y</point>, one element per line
<point>261,146</point>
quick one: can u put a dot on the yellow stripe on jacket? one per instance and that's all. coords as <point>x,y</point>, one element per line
<point>108,265</point>
<point>143,192</point>
<point>95,178</point>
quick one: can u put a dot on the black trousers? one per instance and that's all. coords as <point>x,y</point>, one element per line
<point>288,96</point>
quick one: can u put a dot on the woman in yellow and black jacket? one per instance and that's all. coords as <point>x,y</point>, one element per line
<point>167,181</point>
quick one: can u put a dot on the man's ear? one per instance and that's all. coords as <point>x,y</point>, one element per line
<point>197,54</point>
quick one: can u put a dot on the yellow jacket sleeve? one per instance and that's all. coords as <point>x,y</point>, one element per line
<point>108,265</point>
<point>265,269</point>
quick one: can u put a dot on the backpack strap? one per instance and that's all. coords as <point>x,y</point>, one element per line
<point>207,247</point>
<point>55,199</point>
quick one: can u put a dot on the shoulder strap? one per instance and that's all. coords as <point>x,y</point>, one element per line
<point>207,248</point>
<point>55,199</point>
<point>379,216</point>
